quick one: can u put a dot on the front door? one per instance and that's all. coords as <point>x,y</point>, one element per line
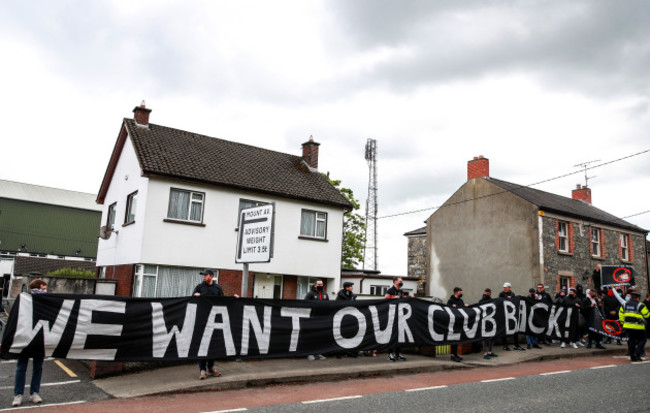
<point>268,286</point>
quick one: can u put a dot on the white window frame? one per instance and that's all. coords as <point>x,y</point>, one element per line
<point>131,206</point>
<point>625,249</point>
<point>563,236</point>
<point>110,216</point>
<point>318,217</point>
<point>595,242</point>
<point>379,290</point>
<point>191,201</point>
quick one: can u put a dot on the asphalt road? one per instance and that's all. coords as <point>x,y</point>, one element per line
<point>64,381</point>
<point>593,389</point>
<point>599,383</point>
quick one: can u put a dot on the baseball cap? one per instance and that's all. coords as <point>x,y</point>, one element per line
<point>507,285</point>
<point>531,290</point>
<point>347,284</point>
<point>207,271</point>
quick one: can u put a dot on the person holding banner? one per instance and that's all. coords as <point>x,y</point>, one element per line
<point>594,306</point>
<point>317,292</point>
<point>37,287</point>
<point>633,316</point>
<point>456,301</point>
<point>396,292</point>
<point>508,294</point>
<point>487,344</point>
<point>207,288</point>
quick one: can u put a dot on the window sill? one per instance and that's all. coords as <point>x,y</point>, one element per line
<point>176,221</point>
<point>597,257</point>
<point>569,254</point>
<point>126,224</point>
<point>312,238</point>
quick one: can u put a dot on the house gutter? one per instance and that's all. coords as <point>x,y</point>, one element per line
<point>540,227</point>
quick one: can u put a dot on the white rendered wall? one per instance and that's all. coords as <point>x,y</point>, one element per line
<point>124,247</point>
<point>214,244</point>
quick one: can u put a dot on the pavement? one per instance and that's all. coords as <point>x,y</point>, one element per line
<point>248,373</point>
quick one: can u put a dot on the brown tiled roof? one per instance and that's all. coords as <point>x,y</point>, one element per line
<point>174,153</point>
<point>549,202</point>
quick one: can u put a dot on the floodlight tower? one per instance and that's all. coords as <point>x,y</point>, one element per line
<point>370,248</point>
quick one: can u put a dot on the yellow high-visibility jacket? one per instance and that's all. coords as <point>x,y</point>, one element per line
<point>632,315</point>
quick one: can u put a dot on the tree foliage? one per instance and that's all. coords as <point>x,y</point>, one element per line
<point>354,230</point>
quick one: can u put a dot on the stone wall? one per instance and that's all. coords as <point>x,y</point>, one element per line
<point>417,257</point>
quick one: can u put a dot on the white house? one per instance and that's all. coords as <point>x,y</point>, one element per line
<point>171,205</point>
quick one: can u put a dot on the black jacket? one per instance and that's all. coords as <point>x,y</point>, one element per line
<point>346,295</point>
<point>546,298</point>
<point>507,296</point>
<point>314,294</point>
<point>455,302</point>
<point>484,299</point>
<point>208,289</point>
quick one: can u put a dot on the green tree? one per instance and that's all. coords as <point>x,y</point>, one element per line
<point>354,230</point>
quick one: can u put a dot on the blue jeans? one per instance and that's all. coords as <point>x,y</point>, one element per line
<point>21,372</point>
<point>531,340</point>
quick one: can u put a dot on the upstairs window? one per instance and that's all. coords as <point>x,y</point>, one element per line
<point>625,249</point>
<point>245,204</point>
<point>185,205</point>
<point>563,236</point>
<point>595,242</point>
<point>131,203</point>
<point>110,218</point>
<point>313,224</point>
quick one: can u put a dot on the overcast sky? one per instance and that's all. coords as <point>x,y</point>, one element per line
<point>535,86</point>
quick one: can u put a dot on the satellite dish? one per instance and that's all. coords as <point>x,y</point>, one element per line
<point>105,232</point>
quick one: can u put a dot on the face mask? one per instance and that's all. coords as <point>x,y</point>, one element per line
<point>627,298</point>
<point>460,295</point>
<point>319,287</point>
<point>399,284</point>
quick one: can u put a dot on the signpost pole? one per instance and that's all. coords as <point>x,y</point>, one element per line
<point>244,281</point>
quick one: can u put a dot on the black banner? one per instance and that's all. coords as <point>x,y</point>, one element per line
<point>129,329</point>
<point>608,328</point>
<point>617,275</point>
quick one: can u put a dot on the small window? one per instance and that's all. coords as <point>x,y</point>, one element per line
<point>378,290</point>
<point>563,236</point>
<point>185,205</point>
<point>625,250</point>
<point>110,218</point>
<point>131,204</point>
<point>565,283</point>
<point>595,242</point>
<point>313,224</point>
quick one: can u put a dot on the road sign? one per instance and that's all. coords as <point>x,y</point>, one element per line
<point>255,234</point>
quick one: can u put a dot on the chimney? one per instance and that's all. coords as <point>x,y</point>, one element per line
<point>310,153</point>
<point>582,193</point>
<point>141,115</point>
<point>478,167</point>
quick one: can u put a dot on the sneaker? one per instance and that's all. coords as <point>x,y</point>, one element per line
<point>506,348</point>
<point>574,345</point>
<point>321,357</point>
<point>520,348</point>
<point>202,375</point>
<point>563,345</point>
<point>18,400</point>
<point>581,344</point>
<point>486,356</point>
<point>456,358</point>
<point>214,373</point>
<point>35,398</point>
<point>390,357</point>
<point>493,354</point>
<point>311,357</point>
<point>399,357</point>
<point>601,347</point>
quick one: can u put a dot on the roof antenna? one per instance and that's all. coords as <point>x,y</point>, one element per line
<point>585,166</point>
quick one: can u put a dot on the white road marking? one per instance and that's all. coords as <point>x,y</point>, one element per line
<point>555,372</point>
<point>603,367</point>
<point>243,409</point>
<point>427,388</point>
<point>61,383</point>
<point>332,399</point>
<point>493,380</point>
<point>34,406</point>
<point>13,361</point>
